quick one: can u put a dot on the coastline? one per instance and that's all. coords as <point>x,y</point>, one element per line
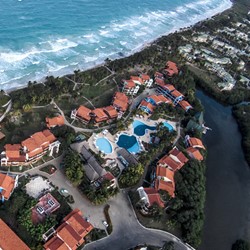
<point>137,49</point>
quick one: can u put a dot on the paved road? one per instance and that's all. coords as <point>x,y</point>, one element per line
<point>128,232</point>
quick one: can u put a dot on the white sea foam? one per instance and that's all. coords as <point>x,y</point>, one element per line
<point>61,55</point>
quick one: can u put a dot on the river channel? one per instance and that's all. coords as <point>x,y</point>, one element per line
<point>227,206</point>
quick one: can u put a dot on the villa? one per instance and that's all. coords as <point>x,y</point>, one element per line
<point>70,234</point>
<point>171,69</point>
<point>55,121</point>
<point>82,114</point>
<point>30,150</point>
<point>149,103</point>
<point>7,186</point>
<point>194,142</point>
<point>175,160</point>
<point>147,81</point>
<point>185,105</point>
<point>176,96</point>
<point>9,240</point>
<point>120,102</point>
<point>165,180</point>
<point>111,112</point>
<point>194,154</point>
<point>129,87</point>
<point>148,197</point>
<point>99,115</point>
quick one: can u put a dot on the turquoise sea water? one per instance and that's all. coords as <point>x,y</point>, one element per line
<point>39,38</point>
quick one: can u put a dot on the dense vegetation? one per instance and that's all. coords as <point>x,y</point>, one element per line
<point>131,176</point>
<point>35,230</point>
<point>187,209</point>
<point>242,115</point>
<point>73,167</point>
<point>241,245</point>
<point>98,195</point>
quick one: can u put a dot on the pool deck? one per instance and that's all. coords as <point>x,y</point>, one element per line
<point>130,131</point>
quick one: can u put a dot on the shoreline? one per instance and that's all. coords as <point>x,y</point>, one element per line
<point>137,49</point>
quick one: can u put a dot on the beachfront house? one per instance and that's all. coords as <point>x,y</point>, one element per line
<point>194,142</point>
<point>185,105</point>
<point>55,121</point>
<point>147,80</point>
<point>194,153</point>
<point>171,69</point>
<point>120,102</point>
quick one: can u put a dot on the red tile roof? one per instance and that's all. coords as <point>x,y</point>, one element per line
<point>159,81</point>
<point>84,113</point>
<point>176,93</point>
<point>194,153</point>
<point>111,112</point>
<point>185,105</point>
<point>128,84</point>
<point>174,160</point>
<point>175,152</point>
<point>167,186</point>
<point>145,77</point>
<point>7,184</point>
<point>147,105</point>
<point>50,137</point>
<point>108,176</point>
<point>55,121</point>
<point>165,173</point>
<point>195,143</point>
<point>71,232</point>
<point>100,115</point>
<point>136,79</point>
<point>9,240</point>
<point>159,75</point>
<point>171,68</point>
<point>12,150</point>
<point>154,197</point>
<point>169,87</point>
<point>120,101</point>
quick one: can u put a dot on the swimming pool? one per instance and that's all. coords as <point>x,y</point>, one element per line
<point>168,126</point>
<point>104,145</point>
<point>140,128</point>
<point>129,142</point>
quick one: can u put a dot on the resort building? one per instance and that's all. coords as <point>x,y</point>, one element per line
<point>70,234</point>
<point>159,75</point>
<point>171,68</point>
<point>149,103</point>
<point>9,240</point>
<point>47,204</point>
<point>194,154</point>
<point>7,186</point>
<point>137,80</point>
<point>147,81</point>
<point>111,112</point>
<point>175,160</point>
<point>185,105</point>
<point>30,150</point>
<point>194,142</point>
<point>165,180</point>
<point>99,115</point>
<point>176,96</point>
<point>120,102</point>
<point>55,121</point>
<point>126,158</point>
<point>159,81</point>
<point>149,197</point>
<point>82,114</point>
<point>130,88</point>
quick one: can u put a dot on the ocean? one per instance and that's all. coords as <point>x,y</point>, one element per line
<point>40,38</point>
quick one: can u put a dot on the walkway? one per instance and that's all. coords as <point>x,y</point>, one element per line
<point>6,111</point>
<point>77,129</point>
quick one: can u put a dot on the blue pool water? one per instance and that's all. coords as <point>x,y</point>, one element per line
<point>129,142</point>
<point>167,125</point>
<point>59,36</point>
<point>104,145</point>
<point>140,128</point>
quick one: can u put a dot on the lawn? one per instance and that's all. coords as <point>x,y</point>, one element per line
<point>20,125</point>
<point>3,99</point>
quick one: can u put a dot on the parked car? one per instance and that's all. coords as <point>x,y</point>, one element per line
<point>105,223</point>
